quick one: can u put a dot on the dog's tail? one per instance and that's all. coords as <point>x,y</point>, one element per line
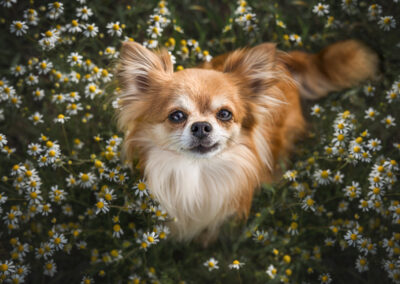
<point>338,66</point>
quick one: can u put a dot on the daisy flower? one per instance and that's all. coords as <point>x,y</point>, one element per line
<point>90,30</point>
<point>236,264</point>
<point>50,268</point>
<point>38,94</point>
<point>361,264</point>
<point>61,118</point>
<point>387,23</point>
<point>211,264</point>
<point>117,231</point>
<point>19,28</point>
<point>392,95</point>
<point>74,27</point>
<point>55,10</point>
<point>321,9</point>
<point>374,144</point>
<point>102,206</point>
<point>36,118</point>
<point>114,29</point>
<point>352,237</point>
<point>18,70</point>
<point>371,113</point>
<point>74,59</point>
<point>3,140</point>
<point>151,238</point>
<point>374,11</point>
<point>316,110</point>
<point>58,241</point>
<point>141,189</point>
<point>84,13</point>
<point>271,271</point>
<point>325,278</point>
<point>389,121</point>
<point>260,236</point>
<point>7,267</point>
<point>308,203</point>
<point>86,180</point>
<point>322,177</point>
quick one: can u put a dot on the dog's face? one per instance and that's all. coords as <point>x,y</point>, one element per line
<point>202,113</point>
<point>193,112</point>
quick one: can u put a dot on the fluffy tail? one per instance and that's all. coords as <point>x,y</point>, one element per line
<point>338,66</point>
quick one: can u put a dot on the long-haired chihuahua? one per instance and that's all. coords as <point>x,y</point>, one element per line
<point>207,137</point>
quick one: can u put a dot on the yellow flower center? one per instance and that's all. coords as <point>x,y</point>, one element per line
<point>141,186</point>
<point>85,177</point>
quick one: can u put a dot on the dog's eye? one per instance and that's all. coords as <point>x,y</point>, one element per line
<point>177,116</point>
<point>224,115</point>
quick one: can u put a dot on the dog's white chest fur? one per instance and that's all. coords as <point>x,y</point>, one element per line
<point>199,193</point>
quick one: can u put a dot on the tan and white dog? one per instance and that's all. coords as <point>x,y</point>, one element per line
<point>207,137</point>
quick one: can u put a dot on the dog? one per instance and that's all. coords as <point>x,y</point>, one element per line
<point>207,137</point>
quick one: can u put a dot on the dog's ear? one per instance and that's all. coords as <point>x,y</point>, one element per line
<point>138,67</point>
<point>254,68</point>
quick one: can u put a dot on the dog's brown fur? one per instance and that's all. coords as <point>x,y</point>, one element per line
<point>262,87</point>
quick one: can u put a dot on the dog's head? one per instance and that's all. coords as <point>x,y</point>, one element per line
<point>194,112</point>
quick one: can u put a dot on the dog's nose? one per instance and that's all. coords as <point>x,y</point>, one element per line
<point>201,129</point>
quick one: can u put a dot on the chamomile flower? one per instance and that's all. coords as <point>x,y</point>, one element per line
<point>388,121</point>
<point>387,23</point>
<point>260,236</point>
<point>74,59</point>
<point>272,271</point>
<point>38,94</point>
<point>102,206</point>
<point>61,118</point>
<point>374,144</point>
<point>325,278</point>
<point>86,180</point>
<point>352,237</point>
<point>322,177</point>
<point>374,11</point>
<point>50,268</point>
<point>90,30</point>
<point>3,140</point>
<point>84,13</point>
<point>19,28</point>
<point>371,113</point>
<point>151,238</point>
<point>392,95</point>
<point>352,191</point>
<point>316,110</point>
<point>141,189</point>
<point>74,27</point>
<point>117,231</point>
<point>338,177</point>
<point>369,90</point>
<point>236,264</point>
<point>211,264</point>
<point>362,264</point>
<point>114,28</point>
<point>58,241</point>
<point>321,9</point>
<point>36,118</point>
<point>7,267</point>
<point>55,10</point>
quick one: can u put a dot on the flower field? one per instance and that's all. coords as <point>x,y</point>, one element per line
<point>71,211</point>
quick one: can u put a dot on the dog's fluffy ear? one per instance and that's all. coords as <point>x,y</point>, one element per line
<point>254,67</point>
<point>138,67</point>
